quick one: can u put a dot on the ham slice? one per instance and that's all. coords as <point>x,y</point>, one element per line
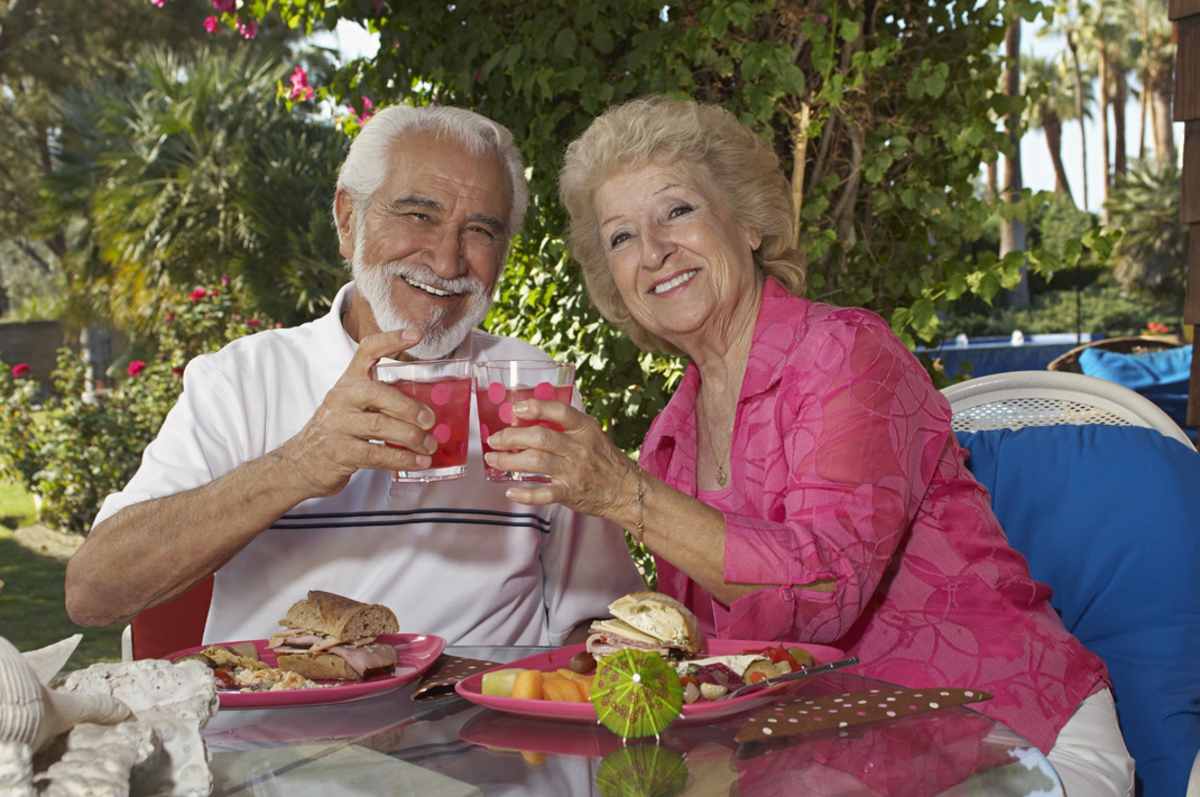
<point>368,660</point>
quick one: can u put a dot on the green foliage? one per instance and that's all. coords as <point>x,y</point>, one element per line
<point>1145,203</point>
<point>79,446</point>
<point>191,172</point>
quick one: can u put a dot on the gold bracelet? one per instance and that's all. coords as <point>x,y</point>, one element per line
<point>641,529</point>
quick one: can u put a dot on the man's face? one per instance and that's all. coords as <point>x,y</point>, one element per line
<point>427,249</point>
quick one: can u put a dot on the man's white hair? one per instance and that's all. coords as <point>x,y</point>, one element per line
<point>366,165</point>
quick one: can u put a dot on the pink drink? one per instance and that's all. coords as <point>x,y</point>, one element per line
<point>450,400</point>
<point>495,412</point>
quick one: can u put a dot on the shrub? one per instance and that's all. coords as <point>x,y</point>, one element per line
<point>79,445</point>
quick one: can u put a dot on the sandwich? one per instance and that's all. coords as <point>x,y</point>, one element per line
<point>646,621</point>
<point>331,637</point>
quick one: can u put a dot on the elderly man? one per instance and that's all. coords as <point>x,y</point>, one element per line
<point>269,473</point>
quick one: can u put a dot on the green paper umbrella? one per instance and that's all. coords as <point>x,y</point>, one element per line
<point>645,770</point>
<point>636,693</point>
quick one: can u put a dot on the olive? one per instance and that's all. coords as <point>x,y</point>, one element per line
<point>582,662</point>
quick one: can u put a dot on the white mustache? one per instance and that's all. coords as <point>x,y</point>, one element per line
<point>457,285</point>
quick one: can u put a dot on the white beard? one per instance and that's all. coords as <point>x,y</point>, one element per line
<point>374,284</point>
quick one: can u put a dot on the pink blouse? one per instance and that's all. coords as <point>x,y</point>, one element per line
<point>845,468</point>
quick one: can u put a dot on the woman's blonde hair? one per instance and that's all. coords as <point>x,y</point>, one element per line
<point>739,165</point>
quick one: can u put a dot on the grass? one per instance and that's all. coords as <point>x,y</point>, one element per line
<point>32,612</point>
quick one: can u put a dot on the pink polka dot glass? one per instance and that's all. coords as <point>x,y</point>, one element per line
<point>445,387</point>
<point>501,383</point>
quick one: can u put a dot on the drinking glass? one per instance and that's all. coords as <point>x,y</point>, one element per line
<point>501,383</point>
<point>445,387</point>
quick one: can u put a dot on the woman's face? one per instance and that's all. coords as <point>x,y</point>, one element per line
<point>682,263</point>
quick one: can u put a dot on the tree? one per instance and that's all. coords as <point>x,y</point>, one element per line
<point>1051,103</point>
<point>1153,252</point>
<point>1012,226</point>
<point>189,173</point>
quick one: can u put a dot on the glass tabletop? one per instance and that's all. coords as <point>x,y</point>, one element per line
<point>391,744</point>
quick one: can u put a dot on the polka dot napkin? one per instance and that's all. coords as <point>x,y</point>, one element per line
<point>803,714</point>
<point>447,671</point>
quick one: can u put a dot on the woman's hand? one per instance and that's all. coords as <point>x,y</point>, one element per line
<point>587,472</point>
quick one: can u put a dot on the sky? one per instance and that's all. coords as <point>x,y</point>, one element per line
<point>353,41</point>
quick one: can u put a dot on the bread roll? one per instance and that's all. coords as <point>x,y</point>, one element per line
<point>318,666</point>
<point>341,618</point>
<point>661,617</point>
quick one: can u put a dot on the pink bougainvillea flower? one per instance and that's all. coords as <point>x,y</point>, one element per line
<point>367,112</point>
<point>248,28</point>
<point>225,6</point>
<point>224,282</point>
<point>211,24</point>
<point>177,369</point>
<point>197,294</point>
<point>21,370</point>
<point>253,322</point>
<point>159,3</point>
<point>300,88</point>
<point>136,367</point>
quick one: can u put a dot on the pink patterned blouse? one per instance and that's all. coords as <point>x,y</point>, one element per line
<point>845,468</point>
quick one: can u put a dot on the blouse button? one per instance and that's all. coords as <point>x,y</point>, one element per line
<point>786,594</point>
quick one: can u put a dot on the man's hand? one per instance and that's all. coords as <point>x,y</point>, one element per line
<point>338,439</point>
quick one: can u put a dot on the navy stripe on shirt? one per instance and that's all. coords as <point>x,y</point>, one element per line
<point>409,517</point>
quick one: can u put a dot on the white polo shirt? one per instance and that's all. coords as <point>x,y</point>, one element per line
<point>455,558</point>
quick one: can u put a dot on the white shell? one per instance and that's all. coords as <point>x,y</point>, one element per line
<point>48,661</point>
<point>99,760</point>
<point>32,714</point>
<point>16,769</point>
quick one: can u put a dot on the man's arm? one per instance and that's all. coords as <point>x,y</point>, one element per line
<point>152,551</point>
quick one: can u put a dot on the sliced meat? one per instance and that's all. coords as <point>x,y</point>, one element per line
<point>368,660</point>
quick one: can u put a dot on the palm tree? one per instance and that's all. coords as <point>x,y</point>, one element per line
<point>1145,204</point>
<point>187,175</point>
<point>1052,100</point>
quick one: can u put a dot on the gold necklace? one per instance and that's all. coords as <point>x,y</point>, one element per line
<point>722,476</point>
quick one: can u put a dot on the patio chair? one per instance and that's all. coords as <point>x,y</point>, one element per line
<point>1133,344</point>
<point>1092,484</point>
<point>168,627</point>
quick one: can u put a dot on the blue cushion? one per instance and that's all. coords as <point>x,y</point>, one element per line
<point>1139,371</point>
<point>1104,515</point>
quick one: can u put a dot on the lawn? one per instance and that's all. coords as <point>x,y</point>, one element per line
<point>32,614</point>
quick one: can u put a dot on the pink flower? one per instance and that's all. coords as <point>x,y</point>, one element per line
<point>225,6</point>
<point>197,294</point>
<point>224,282</point>
<point>300,88</point>
<point>177,369</point>
<point>253,322</point>
<point>135,368</point>
<point>211,24</point>
<point>20,370</point>
<point>1155,328</point>
<point>367,111</point>
<point>159,3</point>
<point>248,28</point>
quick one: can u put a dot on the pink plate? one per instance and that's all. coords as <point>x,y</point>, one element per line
<point>700,711</point>
<point>416,653</point>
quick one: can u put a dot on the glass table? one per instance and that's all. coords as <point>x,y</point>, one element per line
<point>446,747</point>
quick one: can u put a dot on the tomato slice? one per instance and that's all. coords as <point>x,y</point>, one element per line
<point>774,653</point>
<point>224,679</point>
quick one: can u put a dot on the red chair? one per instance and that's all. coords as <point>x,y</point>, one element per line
<point>174,625</point>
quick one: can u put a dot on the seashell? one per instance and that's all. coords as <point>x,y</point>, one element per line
<point>48,661</point>
<point>32,714</point>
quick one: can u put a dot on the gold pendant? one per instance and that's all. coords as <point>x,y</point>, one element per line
<point>721,477</point>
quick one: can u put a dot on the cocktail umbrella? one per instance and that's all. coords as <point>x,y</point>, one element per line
<point>645,770</point>
<point>636,693</point>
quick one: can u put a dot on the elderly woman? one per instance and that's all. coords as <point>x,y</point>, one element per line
<point>803,483</point>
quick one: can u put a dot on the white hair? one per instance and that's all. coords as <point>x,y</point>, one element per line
<point>365,167</point>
